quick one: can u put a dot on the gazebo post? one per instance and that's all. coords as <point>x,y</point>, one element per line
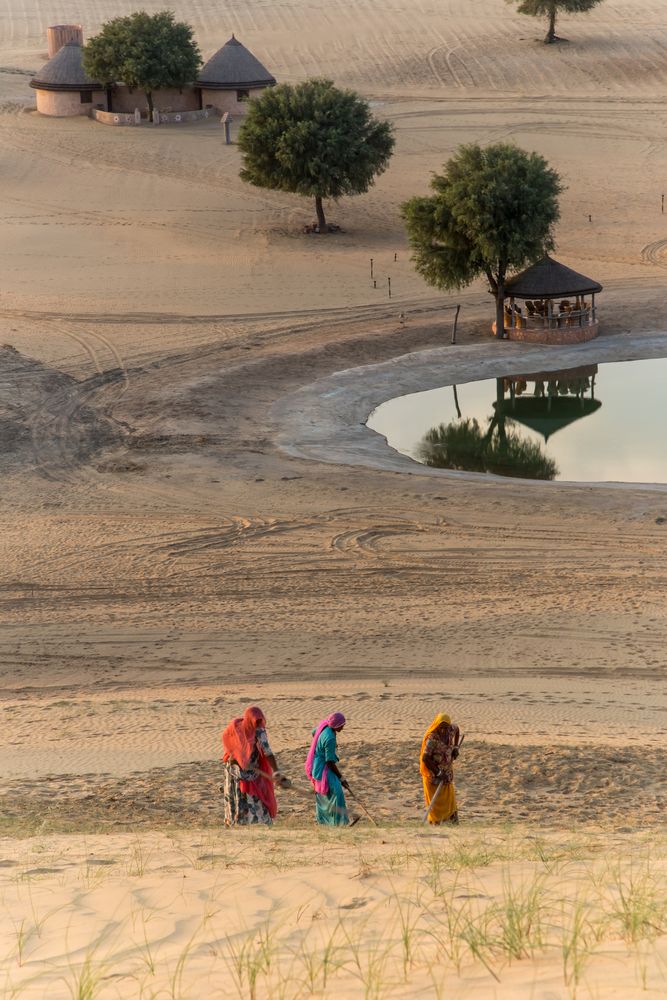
<point>550,313</point>
<point>512,313</point>
<point>593,307</point>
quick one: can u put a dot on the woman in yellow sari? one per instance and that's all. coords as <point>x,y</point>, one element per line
<point>438,753</point>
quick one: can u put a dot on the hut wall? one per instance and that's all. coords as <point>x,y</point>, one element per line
<point>170,99</point>
<point>67,104</point>
<point>226,100</point>
<point>59,34</point>
<point>560,335</point>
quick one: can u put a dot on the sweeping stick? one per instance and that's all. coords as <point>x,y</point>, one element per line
<point>432,802</point>
<point>361,804</point>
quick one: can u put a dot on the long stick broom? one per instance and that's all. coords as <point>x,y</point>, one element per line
<point>300,791</point>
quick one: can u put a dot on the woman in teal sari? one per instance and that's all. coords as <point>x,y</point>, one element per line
<point>326,779</point>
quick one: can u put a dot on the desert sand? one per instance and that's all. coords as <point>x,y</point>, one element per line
<point>174,542</point>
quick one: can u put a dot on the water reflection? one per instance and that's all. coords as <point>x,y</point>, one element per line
<point>555,401</point>
<point>544,402</point>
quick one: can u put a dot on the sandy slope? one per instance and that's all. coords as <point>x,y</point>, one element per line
<point>500,913</point>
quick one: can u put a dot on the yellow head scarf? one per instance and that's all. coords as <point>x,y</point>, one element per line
<point>437,722</point>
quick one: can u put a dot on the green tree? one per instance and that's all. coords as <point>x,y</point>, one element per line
<point>313,139</point>
<point>146,51</point>
<point>493,211</point>
<point>551,9</point>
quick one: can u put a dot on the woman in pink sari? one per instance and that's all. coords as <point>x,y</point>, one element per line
<point>250,769</point>
<point>325,777</point>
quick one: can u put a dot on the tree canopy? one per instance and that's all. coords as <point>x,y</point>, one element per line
<point>493,210</point>
<point>313,139</point>
<point>551,9</point>
<point>146,51</point>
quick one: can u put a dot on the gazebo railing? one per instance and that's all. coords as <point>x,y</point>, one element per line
<point>549,317</point>
<point>575,317</point>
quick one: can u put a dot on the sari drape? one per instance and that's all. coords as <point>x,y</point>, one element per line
<point>445,806</point>
<point>330,805</point>
<point>245,743</point>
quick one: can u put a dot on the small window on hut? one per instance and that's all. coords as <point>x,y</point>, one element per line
<point>242,95</point>
<point>86,96</point>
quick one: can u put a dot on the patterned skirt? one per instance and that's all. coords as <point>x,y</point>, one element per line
<point>241,809</point>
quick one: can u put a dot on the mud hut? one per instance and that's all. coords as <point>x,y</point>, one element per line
<point>62,88</point>
<point>232,77</point>
<point>558,305</point>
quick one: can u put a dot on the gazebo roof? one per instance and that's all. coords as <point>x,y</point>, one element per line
<point>234,66</point>
<point>546,416</point>
<point>65,71</point>
<point>549,279</point>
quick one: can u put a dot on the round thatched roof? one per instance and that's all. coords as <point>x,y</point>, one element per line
<point>548,279</point>
<point>234,67</point>
<point>64,72</point>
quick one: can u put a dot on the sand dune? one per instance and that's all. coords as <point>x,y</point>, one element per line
<point>503,913</point>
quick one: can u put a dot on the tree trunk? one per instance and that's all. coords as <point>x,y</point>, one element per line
<point>149,99</point>
<point>321,220</point>
<point>500,309</point>
<point>551,33</point>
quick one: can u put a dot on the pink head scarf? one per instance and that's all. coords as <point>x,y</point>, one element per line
<point>238,739</point>
<point>321,785</point>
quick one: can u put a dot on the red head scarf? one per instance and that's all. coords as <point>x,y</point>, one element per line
<point>238,739</point>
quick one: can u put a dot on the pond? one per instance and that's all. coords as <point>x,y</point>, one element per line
<point>594,423</point>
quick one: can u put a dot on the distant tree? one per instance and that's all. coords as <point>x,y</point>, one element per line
<point>313,139</point>
<point>144,51</point>
<point>551,9</point>
<point>493,211</point>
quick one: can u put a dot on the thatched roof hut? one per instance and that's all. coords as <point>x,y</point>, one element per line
<point>234,67</point>
<point>65,72</point>
<point>63,88</point>
<point>559,302</point>
<point>549,279</point>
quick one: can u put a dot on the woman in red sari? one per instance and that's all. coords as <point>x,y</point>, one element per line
<point>250,769</point>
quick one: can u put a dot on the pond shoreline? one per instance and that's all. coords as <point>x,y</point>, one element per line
<point>325,421</point>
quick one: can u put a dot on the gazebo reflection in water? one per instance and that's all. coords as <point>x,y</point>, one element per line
<point>546,402</point>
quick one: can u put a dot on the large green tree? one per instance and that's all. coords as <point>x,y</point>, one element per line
<point>146,51</point>
<point>551,9</point>
<point>492,211</point>
<point>313,139</point>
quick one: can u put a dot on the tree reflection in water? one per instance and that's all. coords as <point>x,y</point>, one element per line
<point>557,400</point>
<point>462,444</point>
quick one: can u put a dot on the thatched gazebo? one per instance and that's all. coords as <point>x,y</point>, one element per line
<point>62,88</point>
<point>558,305</point>
<point>232,77</point>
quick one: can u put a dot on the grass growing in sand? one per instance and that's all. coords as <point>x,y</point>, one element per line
<point>389,913</point>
